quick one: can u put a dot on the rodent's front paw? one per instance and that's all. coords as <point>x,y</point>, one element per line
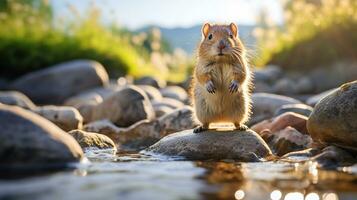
<point>210,87</point>
<point>233,87</point>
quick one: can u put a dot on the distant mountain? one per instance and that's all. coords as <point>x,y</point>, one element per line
<point>188,38</point>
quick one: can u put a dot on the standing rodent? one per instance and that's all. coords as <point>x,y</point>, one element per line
<point>221,81</point>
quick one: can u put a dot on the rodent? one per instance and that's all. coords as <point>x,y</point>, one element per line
<point>220,88</point>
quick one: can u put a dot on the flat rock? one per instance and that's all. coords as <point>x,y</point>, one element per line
<point>333,120</point>
<point>55,84</point>
<point>65,117</point>
<point>92,140</point>
<point>125,107</point>
<point>238,145</point>
<point>17,99</point>
<point>30,142</point>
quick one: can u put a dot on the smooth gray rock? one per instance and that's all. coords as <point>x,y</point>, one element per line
<point>149,80</point>
<point>152,92</point>
<point>334,118</point>
<point>175,92</point>
<point>245,146</point>
<point>55,84</point>
<point>17,99</point>
<point>65,117</point>
<point>264,105</point>
<point>30,142</point>
<point>313,100</point>
<point>300,108</point>
<point>92,140</point>
<point>125,107</point>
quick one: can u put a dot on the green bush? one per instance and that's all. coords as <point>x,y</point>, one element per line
<point>31,40</point>
<point>315,33</point>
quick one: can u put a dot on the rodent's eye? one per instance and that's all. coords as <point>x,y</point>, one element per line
<point>231,36</point>
<point>210,36</point>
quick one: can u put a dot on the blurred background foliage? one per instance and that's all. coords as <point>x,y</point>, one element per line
<point>315,33</point>
<point>31,39</point>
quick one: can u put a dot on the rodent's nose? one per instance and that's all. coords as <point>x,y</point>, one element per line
<point>221,45</point>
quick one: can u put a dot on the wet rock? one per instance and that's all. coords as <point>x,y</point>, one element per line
<point>55,84</point>
<point>242,146</point>
<point>333,120</point>
<point>17,99</point>
<point>300,108</point>
<point>172,103</point>
<point>65,117</point>
<point>145,132</point>
<point>302,155</point>
<point>89,140</point>
<point>152,92</point>
<point>175,92</point>
<point>265,105</point>
<point>286,140</point>
<point>148,80</point>
<point>312,101</point>
<point>30,142</point>
<point>332,157</point>
<point>282,121</point>
<point>124,107</point>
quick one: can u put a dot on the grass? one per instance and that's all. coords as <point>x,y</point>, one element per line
<point>315,34</point>
<point>31,39</point>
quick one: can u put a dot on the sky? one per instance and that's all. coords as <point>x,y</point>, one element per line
<point>135,14</point>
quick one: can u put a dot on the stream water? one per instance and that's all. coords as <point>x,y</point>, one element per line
<point>136,176</point>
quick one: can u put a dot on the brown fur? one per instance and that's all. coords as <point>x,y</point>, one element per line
<point>222,105</point>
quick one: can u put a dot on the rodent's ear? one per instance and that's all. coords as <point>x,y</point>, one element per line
<point>205,29</point>
<point>234,29</point>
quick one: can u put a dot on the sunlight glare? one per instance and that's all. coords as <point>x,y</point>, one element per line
<point>239,194</point>
<point>294,196</point>
<point>275,195</point>
<point>330,196</point>
<point>312,196</point>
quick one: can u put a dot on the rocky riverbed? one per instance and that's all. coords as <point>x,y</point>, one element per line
<point>70,132</point>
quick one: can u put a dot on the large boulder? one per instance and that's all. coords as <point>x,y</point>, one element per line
<point>265,105</point>
<point>55,84</point>
<point>124,107</point>
<point>17,99</point>
<point>92,140</point>
<point>217,145</point>
<point>65,117</point>
<point>333,119</point>
<point>28,141</point>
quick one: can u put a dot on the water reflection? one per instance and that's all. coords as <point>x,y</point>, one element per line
<point>275,195</point>
<point>312,196</point>
<point>239,194</point>
<point>329,196</point>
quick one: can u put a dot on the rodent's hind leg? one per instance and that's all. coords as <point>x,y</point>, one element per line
<point>241,127</point>
<point>200,128</point>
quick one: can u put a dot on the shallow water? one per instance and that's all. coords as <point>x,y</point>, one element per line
<point>137,176</point>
